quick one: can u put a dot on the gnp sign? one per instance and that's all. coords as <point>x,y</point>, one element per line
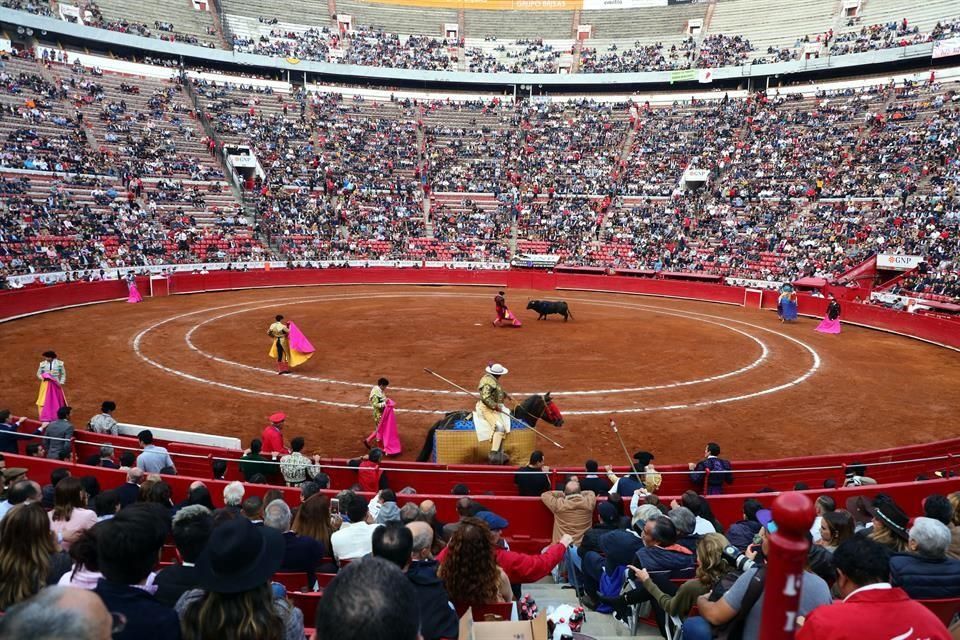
<point>896,262</point>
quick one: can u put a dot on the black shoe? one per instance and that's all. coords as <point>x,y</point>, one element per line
<point>589,601</point>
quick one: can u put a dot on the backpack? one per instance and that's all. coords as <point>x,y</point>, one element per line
<point>733,630</point>
<point>610,586</point>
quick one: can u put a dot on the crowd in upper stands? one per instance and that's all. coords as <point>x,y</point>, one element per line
<point>798,186</point>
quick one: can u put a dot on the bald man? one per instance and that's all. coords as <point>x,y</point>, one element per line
<point>438,619</point>
<point>56,613</point>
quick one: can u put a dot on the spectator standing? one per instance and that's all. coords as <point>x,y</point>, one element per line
<point>192,527</point>
<point>572,511</point>
<point>153,459</point>
<point>103,422</point>
<point>8,430</point>
<point>592,480</point>
<point>871,607</point>
<point>253,463</point>
<point>59,432</point>
<point>925,572</point>
<point>719,471</point>
<point>235,593</point>
<point>272,437</point>
<point>128,546</point>
<point>369,474</point>
<point>296,467</point>
<point>534,478</point>
<point>70,517</point>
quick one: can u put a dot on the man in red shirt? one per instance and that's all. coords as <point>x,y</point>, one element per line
<point>871,608</point>
<point>272,435</point>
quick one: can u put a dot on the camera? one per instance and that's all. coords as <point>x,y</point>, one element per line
<point>736,559</point>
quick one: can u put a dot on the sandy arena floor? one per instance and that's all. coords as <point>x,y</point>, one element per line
<point>672,373</point>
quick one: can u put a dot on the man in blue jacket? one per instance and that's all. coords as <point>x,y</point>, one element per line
<point>926,573</point>
<point>408,547</point>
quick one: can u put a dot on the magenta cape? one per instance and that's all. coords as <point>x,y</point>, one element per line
<point>134,294</point>
<point>53,400</point>
<point>387,430</point>
<point>298,341</point>
<point>828,326</point>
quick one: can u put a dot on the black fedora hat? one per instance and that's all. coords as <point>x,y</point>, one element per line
<point>239,556</point>
<point>894,518</point>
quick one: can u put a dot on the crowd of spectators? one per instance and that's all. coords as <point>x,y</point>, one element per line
<point>255,562</point>
<point>639,57</point>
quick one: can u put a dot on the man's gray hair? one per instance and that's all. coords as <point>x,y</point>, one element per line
<point>932,537</point>
<point>683,520</point>
<point>190,512</point>
<point>233,494</point>
<point>277,515</point>
<point>106,451</point>
<point>134,474</point>
<point>39,618</point>
<point>646,512</point>
<point>422,538</point>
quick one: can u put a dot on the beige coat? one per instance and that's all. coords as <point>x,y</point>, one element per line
<point>572,514</point>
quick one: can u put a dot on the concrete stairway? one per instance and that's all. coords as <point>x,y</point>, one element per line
<point>597,625</point>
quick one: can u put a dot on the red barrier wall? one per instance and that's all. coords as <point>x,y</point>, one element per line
<point>30,300</point>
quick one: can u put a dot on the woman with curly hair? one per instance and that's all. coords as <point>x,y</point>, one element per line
<point>469,570</point>
<point>29,558</point>
<point>710,568</point>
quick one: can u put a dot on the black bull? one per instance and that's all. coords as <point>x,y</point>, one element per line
<point>549,307</point>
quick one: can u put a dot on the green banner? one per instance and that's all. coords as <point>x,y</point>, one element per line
<point>683,76</point>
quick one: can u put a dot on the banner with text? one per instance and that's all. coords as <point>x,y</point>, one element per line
<point>896,262</point>
<point>595,5</point>
<point>488,5</point>
<point>947,48</point>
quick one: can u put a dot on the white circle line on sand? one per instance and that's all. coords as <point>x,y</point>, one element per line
<point>764,354</point>
<point>703,403</point>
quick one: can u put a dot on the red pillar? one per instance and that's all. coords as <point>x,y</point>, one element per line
<point>793,513</point>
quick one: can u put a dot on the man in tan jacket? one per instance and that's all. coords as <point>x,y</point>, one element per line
<point>572,510</point>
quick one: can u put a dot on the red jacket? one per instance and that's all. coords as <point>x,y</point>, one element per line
<point>522,568</point>
<point>272,441</point>
<point>875,614</point>
<point>369,476</point>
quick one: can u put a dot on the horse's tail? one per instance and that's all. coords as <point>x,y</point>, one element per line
<point>427,451</point>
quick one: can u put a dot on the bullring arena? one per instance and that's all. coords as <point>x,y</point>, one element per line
<point>671,372</point>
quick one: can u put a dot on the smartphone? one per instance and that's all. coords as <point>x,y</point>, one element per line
<point>334,506</point>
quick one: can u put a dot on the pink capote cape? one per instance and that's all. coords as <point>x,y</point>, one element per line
<point>828,326</point>
<point>134,294</point>
<point>300,347</point>
<point>387,430</point>
<point>53,400</point>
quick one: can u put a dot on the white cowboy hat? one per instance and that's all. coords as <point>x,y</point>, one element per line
<point>497,370</point>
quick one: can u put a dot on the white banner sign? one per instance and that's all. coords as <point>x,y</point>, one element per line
<point>897,263</point>
<point>598,5</point>
<point>947,48</point>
